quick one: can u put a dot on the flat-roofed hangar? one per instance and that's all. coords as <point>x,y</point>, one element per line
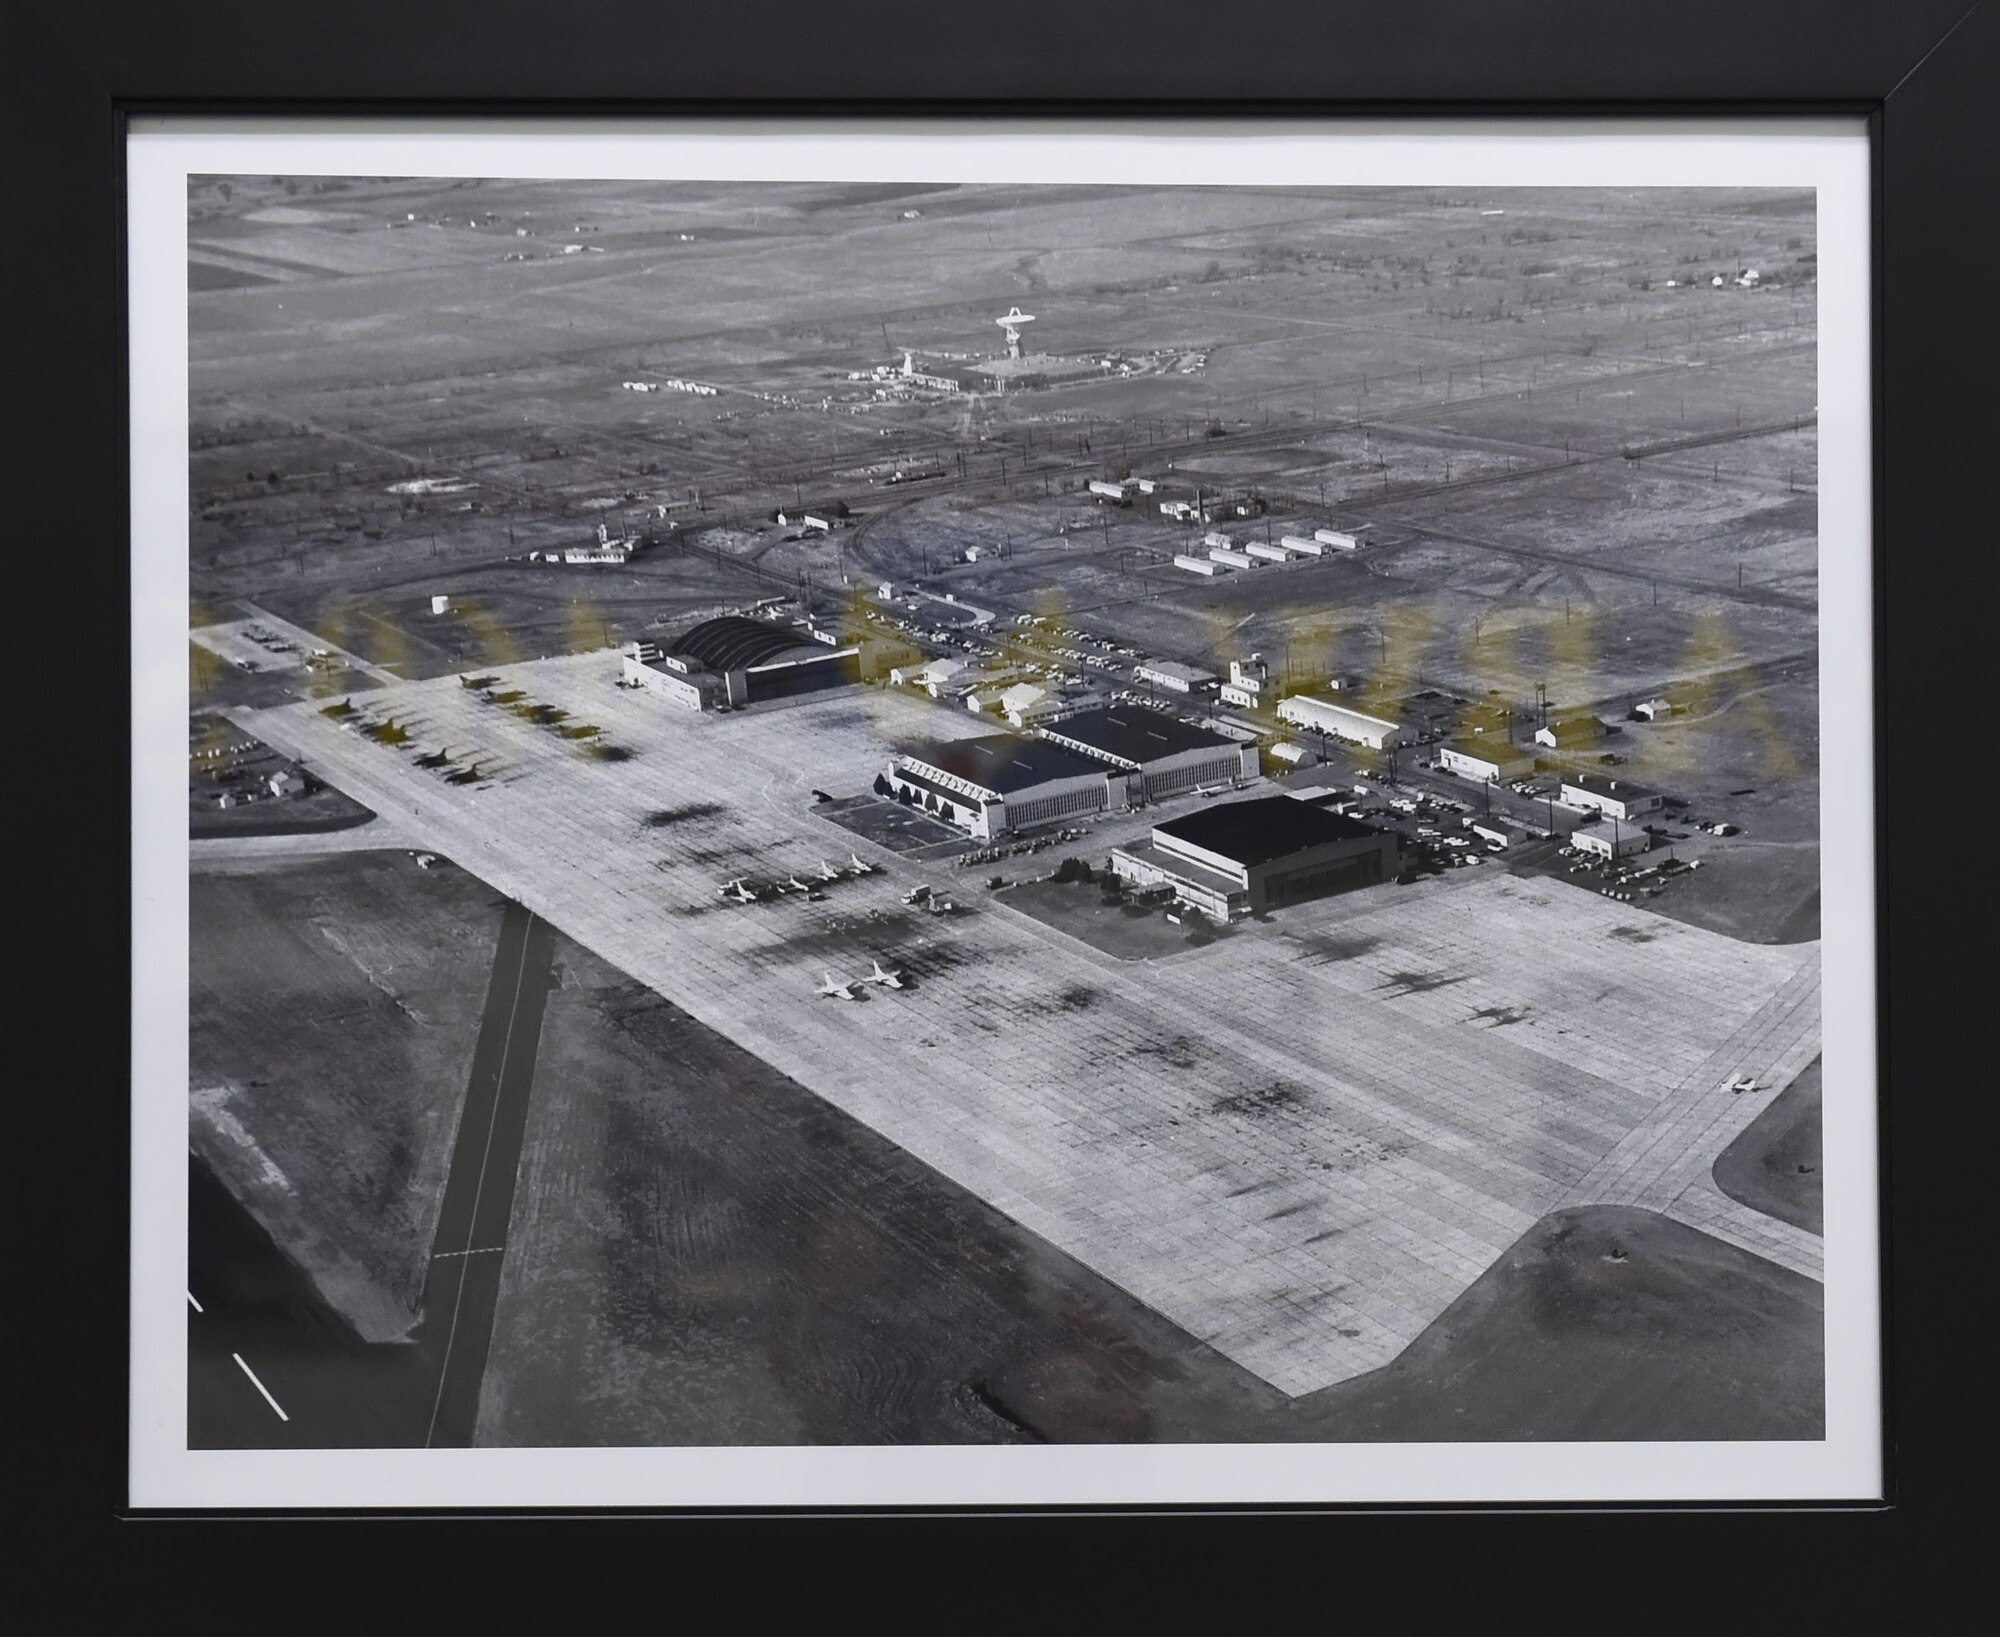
<point>734,660</point>
<point>1237,858</point>
<point>1159,755</point>
<point>1001,782</point>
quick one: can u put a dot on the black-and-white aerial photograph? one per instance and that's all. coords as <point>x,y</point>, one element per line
<point>833,813</point>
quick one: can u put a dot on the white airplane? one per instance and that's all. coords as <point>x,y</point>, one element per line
<point>732,889</point>
<point>830,990</point>
<point>795,884</point>
<point>860,865</point>
<point>742,894</point>
<point>827,872</point>
<point>889,980</point>
<point>1743,1082</point>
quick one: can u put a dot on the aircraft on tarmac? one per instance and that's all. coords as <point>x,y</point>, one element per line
<point>830,990</point>
<point>860,866</point>
<point>1742,1083</point>
<point>468,774</point>
<point>888,980</point>
<point>827,872</point>
<point>793,883</point>
<point>736,889</point>
<point>441,757</point>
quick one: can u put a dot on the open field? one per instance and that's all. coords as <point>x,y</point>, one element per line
<point>1575,461</point>
<point>334,1004</point>
<point>1352,1113</point>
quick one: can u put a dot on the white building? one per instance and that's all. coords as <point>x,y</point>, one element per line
<point>1336,539</point>
<point>1299,546</point>
<point>1485,758</point>
<point>1025,704</point>
<point>1343,722</point>
<point>933,675</point>
<point>603,550</point>
<point>1293,755</point>
<point>1652,710</point>
<point>1230,558</point>
<point>1267,553</point>
<point>1215,537</point>
<point>1174,676</point>
<point>1114,492</point>
<point>1611,841</point>
<point>1614,798</point>
<point>1198,565</point>
<point>1155,755</point>
<point>1566,730</point>
<point>1249,682</point>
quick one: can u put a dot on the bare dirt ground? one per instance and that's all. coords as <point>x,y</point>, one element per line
<point>333,1008</point>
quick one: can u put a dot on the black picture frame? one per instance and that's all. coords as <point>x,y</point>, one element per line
<point>1921,73</point>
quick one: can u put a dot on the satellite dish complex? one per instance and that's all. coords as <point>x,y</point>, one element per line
<point>1011,323</point>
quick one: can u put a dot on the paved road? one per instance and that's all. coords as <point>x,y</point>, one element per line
<point>271,1367</point>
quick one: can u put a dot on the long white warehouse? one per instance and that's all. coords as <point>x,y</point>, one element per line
<point>1323,715</point>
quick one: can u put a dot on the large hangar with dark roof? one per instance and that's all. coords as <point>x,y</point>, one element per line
<point>1239,857</point>
<point>999,783</point>
<point>1157,754</point>
<point>734,660</point>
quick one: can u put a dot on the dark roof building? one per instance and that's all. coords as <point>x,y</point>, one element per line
<point>1131,735</point>
<point>1001,762</point>
<point>734,660</point>
<point>999,783</point>
<point>733,642</point>
<point>1161,754</point>
<point>1263,828</point>
<point>1238,857</point>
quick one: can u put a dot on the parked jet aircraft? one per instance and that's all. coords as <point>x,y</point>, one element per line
<point>888,980</point>
<point>860,865</point>
<point>827,872</point>
<point>830,990</point>
<point>440,757</point>
<point>469,774</point>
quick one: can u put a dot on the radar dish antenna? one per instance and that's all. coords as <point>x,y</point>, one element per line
<point>1011,322</point>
